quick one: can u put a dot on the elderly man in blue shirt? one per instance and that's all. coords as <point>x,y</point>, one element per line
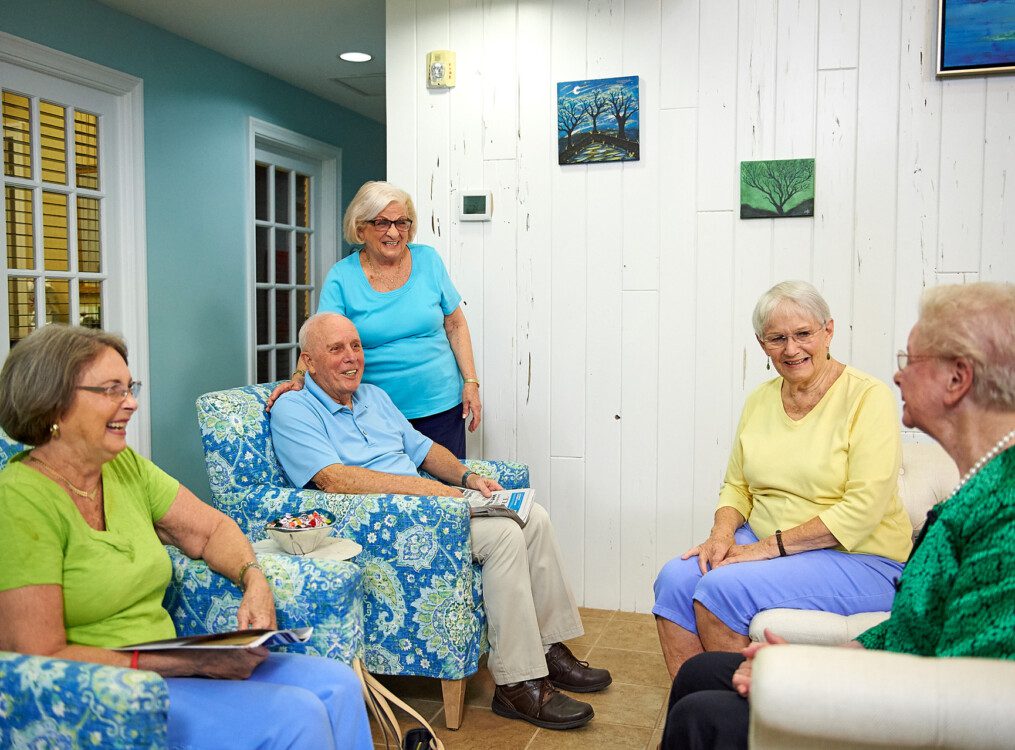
<point>340,435</point>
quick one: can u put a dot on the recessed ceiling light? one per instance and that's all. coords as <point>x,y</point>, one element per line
<point>355,57</point>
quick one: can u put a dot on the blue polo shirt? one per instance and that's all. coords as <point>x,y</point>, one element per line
<point>311,431</point>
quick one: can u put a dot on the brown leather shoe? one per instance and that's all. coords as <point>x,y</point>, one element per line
<point>537,702</point>
<point>568,673</point>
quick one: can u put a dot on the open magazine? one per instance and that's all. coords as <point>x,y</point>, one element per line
<point>514,504</point>
<point>233,639</point>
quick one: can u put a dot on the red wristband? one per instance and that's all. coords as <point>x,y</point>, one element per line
<point>133,659</point>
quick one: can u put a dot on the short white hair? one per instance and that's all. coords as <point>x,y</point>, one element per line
<point>977,322</point>
<point>372,198</point>
<point>310,323</point>
<point>799,293</point>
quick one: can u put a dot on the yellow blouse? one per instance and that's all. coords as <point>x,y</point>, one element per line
<point>840,462</point>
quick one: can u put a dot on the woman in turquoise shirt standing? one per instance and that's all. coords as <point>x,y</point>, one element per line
<point>409,316</point>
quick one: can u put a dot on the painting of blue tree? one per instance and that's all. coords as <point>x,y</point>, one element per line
<point>597,120</point>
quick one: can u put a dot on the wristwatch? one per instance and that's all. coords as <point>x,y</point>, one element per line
<point>465,477</point>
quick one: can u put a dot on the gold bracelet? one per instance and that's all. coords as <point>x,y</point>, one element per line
<point>472,380</point>
<point>243,571</point>
<point>299,371</point>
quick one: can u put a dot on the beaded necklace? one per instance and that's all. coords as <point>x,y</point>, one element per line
<point>984,460</point>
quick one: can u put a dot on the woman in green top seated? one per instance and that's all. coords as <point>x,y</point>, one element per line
<point>956,596</point>
<point>83,568</point>
<point>809,515</point>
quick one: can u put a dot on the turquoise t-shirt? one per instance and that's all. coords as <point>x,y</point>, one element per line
<point>406,348</point>
<point>113,581</point>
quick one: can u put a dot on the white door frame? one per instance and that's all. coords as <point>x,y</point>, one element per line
<point>131,255</point>
<point>329,197</point>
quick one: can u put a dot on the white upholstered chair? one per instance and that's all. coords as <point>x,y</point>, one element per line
<point>816,696</point>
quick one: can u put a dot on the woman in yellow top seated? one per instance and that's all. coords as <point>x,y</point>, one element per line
<point>809,515</point>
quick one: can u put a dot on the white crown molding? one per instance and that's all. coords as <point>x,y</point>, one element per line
<point>58,64</point>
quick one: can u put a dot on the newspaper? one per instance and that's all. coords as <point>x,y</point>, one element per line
<point>514,504</point>
<point>233,639</point>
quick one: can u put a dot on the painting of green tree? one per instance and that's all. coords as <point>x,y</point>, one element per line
<point>776,189</point>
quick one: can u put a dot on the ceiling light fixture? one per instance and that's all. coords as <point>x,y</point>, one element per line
<point>355,57</point>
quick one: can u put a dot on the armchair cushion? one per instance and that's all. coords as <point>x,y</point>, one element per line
<point>308,591</point>
<point>56,703</point>
<point>811,696</point>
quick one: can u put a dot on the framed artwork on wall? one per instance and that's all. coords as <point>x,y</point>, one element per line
<point>975,37</point>
<point>776,189</point>
<point>597,120</point>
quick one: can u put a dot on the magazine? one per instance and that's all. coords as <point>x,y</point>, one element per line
<point>233,639</point>
<point>514,504</point>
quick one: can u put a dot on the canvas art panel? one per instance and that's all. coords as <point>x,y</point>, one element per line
<point>975,37</point>
<point>775,189</point>
<point>597,120</point>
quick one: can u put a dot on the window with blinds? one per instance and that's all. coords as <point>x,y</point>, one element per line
<point>284,251</point>
<point>53,259</point>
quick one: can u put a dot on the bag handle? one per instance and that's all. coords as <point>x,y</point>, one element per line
<point>379,698</point>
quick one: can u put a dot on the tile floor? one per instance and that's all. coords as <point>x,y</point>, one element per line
<point>629,713</point>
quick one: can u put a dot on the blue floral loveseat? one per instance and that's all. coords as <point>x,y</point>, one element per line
<point>54,703</point>
<point>422,595</point>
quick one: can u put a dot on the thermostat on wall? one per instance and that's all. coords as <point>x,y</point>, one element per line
<point>476,206</point>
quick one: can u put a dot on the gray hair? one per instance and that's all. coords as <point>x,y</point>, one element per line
<point>799,293</point>
<point>39,378</point>
<point>976,322</point>
<point>310,323</point>
<point>369,201</point>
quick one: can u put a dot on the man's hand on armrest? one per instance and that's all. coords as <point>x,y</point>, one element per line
<point>356,480</point>
<point>441,463</point>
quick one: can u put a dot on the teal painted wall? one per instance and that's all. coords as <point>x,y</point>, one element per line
<point>196,105</point>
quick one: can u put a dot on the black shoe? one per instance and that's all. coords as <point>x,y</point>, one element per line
<point>537,702</point>
<point>569,673</point>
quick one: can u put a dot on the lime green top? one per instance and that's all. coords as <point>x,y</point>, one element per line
<point>114,580</point>
<point>840,462</point>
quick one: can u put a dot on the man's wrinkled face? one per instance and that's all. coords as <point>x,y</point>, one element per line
<point>335,357</point>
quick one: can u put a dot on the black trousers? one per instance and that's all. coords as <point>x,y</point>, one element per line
<point>446,428</point>
<point>705,712</point>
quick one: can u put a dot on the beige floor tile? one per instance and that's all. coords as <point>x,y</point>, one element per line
<point>590,613</point>
<point>657,737</point>
<point>631,705</point>
<point>596,733</point>
<point>482,729</point>
<point>632,667</point>
<point>633,636</point>
<point>646,617</point>
<point>661,721</point>
<point>594,628</point>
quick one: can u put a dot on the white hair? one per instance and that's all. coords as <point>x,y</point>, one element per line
<point>799,293</point>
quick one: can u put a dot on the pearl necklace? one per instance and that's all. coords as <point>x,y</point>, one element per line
<point>90,494</point>
<point>984,460</point>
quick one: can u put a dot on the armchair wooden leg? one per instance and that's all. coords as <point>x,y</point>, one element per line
<point>454,702</point>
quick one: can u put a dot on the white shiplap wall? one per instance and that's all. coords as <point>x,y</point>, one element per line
<point>610,304</point>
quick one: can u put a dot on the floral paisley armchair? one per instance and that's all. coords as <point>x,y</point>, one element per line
<point>47,702</point>
<point>422,596</point>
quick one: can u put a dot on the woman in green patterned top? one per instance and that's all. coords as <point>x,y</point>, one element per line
<point>956,596</point>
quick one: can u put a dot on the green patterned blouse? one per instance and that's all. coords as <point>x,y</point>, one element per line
<point>957,593</point>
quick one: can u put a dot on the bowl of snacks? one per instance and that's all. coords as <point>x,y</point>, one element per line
<point>301,533</point>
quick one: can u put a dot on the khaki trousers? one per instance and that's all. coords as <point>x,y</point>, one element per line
<point>528,603</point>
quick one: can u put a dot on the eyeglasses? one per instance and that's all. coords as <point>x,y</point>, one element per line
<point>117,392</point>
<point>779,341</point>
<point>383,225</point>
<point>904,359</point>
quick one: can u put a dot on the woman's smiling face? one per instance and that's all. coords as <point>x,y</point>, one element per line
<point>387,246</point>
<point>800,358</point>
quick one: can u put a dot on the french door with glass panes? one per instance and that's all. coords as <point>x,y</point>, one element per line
<point>285,251</point>
<point>70,201</point>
